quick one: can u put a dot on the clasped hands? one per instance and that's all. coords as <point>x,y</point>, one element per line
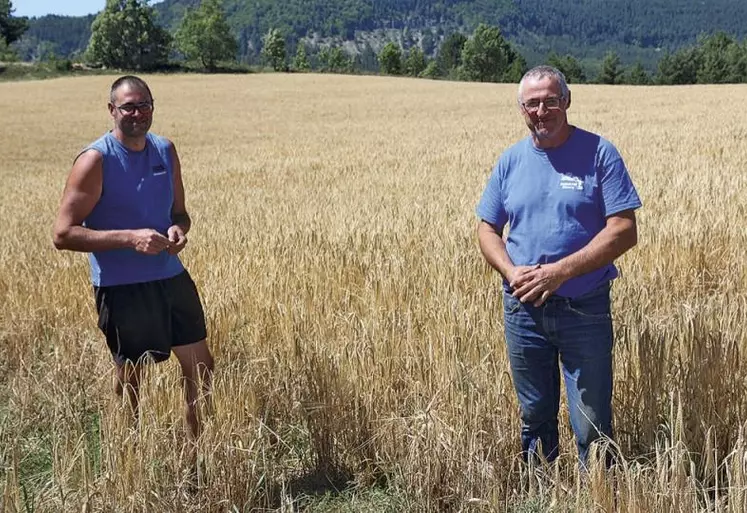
<point>535,283</point>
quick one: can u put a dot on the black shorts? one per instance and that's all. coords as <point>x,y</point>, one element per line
<point>148,319</point>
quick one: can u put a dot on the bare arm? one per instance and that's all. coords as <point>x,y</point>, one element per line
<point>82,193</point>
<point>181,222</point>
<point>494,250</point>
<point>618,236</point>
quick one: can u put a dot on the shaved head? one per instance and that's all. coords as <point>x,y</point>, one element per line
<point>133,82</point>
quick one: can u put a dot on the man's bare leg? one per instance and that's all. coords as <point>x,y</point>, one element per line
<point>127,377</point>
<point>197,376</point>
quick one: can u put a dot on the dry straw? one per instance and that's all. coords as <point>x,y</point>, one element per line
<point>356,328</point>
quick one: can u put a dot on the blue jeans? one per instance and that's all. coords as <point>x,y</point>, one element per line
<point>579,332</point>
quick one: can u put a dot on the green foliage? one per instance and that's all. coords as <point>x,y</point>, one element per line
<point>367,59</point>
<point>678,68</point>
<point>334,60</point>
<point>390,59</point>
<point>7,54</point>
<point>273,49</point>
<point>63,36</point>
<point>736,56</point>
<point>61,65</point>
<point>721,60</point>
<point>450,53</point>
<point>585,26</point>
<point>322,60</point>
<point>124,35</point>
<point>431,70</point>
<point>611,72</point>
<point>569,66</point>
<point>301,60</point>
<point>415,63</point>
<point>488,57</point>
<point>204,35</point>
<point>586,29</point>
<point>637,75</point>
<point>566,27</point>
<point>29,48</point>
<point>51,68</point>
<point>515,70</point>
<point>11,27</point>
<point>716,59</point>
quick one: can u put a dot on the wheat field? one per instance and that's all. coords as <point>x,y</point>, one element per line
<point>357,331</point>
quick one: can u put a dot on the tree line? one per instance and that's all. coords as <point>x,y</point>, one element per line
<point>585,28</point>
<point>715,59</point>
<point>486,56</point>
<point>125,35</point>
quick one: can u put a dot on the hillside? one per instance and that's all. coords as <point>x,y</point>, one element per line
<point>636,29</point>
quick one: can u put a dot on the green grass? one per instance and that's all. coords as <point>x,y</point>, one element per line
<point>53,69</point>
<point>371,500</point>
<point>14,71</point>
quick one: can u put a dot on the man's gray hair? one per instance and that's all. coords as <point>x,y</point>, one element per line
<point>545,71</point>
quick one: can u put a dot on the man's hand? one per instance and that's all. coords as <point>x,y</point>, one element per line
<point>537,284</point>
<point>149,242</point>
<point>177,238</point>
<point>515,274</point>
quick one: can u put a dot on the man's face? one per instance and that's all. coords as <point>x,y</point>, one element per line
<point>544,108</point>
<point>132,110</point>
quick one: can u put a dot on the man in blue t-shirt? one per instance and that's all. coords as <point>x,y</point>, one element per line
<point>569,204</point>
<point>124,205</point>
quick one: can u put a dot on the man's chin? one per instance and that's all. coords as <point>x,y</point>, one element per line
<point>134,132</point>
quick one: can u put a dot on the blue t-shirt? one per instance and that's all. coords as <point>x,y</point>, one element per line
<point>556,200</point>
<point>137,192</point>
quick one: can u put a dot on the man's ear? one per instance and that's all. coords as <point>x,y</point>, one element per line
<point>568,101</point>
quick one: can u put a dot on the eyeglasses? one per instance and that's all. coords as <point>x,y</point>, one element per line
<point>130,108</point>
<point>552,103</point>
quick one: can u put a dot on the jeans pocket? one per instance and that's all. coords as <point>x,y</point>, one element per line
<point>595,312</point>
<point>595,305</point>
<point>511,305</point>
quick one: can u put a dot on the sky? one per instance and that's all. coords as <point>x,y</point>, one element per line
<point>66,7</point>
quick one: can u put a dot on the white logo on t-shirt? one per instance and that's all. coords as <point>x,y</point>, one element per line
<point>572,183</point>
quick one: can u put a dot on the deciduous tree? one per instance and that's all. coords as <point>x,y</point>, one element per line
<point>124,35</point>
<point>204,35</point>
<point>273,49</point>
<point>11,27</point>
<point>390,59</point>
<point>487,56</point>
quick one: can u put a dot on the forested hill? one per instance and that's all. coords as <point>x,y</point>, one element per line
<point>584,28</point>
<point>662,23</point>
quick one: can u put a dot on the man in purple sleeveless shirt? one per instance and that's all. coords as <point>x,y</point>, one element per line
<point>124,205</point>
<point>569,204</point>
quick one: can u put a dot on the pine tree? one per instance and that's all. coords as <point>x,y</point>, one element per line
<point>611,72</point>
